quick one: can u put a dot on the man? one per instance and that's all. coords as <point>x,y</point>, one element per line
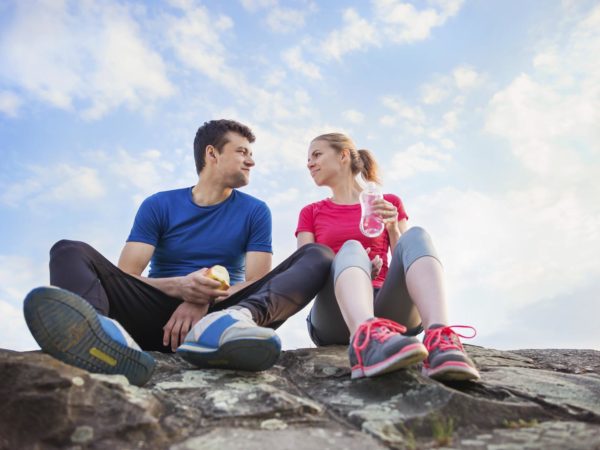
<point>101,317</point>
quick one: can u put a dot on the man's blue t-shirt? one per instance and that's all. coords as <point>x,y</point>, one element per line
<point>188,237</point>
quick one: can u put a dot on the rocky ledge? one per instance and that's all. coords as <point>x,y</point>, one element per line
<point>534,399</point>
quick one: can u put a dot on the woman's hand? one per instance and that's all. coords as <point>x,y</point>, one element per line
<point>376,264</point>
<point>388,213</point>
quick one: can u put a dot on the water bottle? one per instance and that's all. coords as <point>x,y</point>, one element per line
<point>371,225</point>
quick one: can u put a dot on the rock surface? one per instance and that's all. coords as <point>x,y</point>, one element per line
<point>534,399</point>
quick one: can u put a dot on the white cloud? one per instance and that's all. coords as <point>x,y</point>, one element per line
<point>197,44</point>
<point>403,23</point>
<point>18,275</point>
<point>196,38</point>
<point>295,60</point>
<point>285,20</point>
<point>545,126</point>
<point>255,5</point>
<point>61,184</point>
<point>85,56</point>
<point>466,78</point>
<point>461,79</point>
<point>416,159</point>
<point>433,93</point>
<point>538,241</point>
<point>9,103</point>
<point>353,116</point>
<point>411,118</point>
<point>356,34</point>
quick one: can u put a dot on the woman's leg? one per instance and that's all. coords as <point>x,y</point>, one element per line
<point>345,301</point>
<point>376,345</point>
<point>414,292</point>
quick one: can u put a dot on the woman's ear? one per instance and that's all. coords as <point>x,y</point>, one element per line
<point>345,154</point>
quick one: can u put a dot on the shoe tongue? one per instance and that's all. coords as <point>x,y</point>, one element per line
<point>436,325</point>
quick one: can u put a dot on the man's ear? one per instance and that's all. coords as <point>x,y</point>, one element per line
<point>210,152</point>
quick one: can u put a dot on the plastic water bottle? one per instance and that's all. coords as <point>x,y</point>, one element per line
<point>371,225</point>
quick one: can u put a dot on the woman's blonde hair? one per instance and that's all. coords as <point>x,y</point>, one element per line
<point>361,161</point>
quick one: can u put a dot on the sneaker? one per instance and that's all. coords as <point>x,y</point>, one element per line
<point>68,328</point>
<point>230,339</point>
<point>447,358</point>
<point>378,347</point>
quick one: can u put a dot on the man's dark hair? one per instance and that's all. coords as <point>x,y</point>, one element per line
<point>214,133</point>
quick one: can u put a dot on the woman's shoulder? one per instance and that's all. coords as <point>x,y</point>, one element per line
<point>392,198</point>
<point>316,205</point>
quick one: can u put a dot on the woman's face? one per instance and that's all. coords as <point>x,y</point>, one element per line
<point>324,163</point>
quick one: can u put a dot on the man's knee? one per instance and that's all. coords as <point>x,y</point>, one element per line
<point>319,254</point>
<point>66,248</point>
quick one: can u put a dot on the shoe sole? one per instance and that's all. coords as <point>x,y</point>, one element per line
<point>251,355</point>
<point>409,355</point>
<point>68,328</point>
<point>452,371</point>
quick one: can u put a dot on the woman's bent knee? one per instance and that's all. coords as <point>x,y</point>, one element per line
<point>412,236</point>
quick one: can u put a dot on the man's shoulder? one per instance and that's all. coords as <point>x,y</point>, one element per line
<point>248,199</point>
<point>169,195</point>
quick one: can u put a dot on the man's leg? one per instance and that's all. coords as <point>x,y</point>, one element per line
<point>73,323</point>
<point>287,289</point>
<point>240,334</point>
<point>142,309</point>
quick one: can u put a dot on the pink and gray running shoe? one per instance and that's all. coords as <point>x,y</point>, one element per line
<point>447,358</point>
<point>378,347</point>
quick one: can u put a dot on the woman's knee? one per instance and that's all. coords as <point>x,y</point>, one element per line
<point>412,236</point>
<point>352,254</point>
<point>352,245</point>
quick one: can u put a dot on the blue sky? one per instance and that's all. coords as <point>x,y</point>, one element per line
<point>484,117</point>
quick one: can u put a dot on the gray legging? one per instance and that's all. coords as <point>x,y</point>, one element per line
<point>326,325</point>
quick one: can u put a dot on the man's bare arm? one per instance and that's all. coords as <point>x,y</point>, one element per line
<point>194,288</point>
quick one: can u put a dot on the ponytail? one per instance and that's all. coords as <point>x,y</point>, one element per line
<point>369,167</point>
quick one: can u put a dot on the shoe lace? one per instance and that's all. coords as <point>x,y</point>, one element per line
<point>380,329</point>
<point>446,338</point>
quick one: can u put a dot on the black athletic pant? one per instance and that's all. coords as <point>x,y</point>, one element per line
<point>143,310</point>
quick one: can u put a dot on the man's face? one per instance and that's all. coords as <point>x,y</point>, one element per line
<point>235,160</point>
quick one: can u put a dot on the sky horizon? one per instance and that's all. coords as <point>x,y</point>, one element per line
<point>484,118</point>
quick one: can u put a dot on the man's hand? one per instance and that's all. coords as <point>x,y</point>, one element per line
<point>197,288</point>
<point>181,322</point>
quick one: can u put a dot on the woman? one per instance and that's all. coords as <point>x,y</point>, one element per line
<point>365,301</point>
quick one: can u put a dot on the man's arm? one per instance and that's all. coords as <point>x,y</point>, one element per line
<point>193,288</point>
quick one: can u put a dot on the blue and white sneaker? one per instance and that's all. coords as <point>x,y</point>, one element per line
<point>69,329</point>
<point>230,339</point>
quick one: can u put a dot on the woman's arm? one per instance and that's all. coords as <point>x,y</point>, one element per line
<point>305,237</point>
<point>397,231</point>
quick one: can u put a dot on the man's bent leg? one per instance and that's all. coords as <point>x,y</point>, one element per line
<point>236,336</point>
<point>140,308</point>
<point>288,288</point>
<point>68,328</point>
